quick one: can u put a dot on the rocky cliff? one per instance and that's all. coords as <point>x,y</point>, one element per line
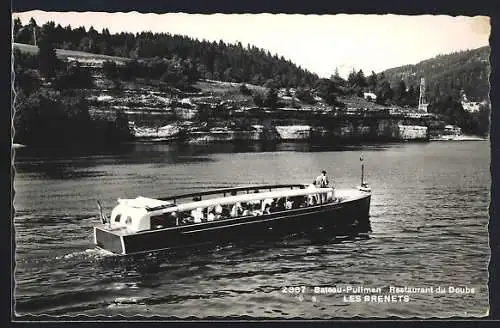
<point>412,132</point>
<point>161,113</point>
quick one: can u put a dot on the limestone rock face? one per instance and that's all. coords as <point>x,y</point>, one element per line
<point>168,131</point>
<point>224,135</point>
<point>412,132</point>
<point>294,132</point>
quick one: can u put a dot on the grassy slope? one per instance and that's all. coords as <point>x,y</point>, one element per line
<point>228,91</point>
<point>221,88</point>
<point>360,102</point>
<point>63,54</point>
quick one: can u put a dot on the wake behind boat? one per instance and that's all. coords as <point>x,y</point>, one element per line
<point>252,212</point>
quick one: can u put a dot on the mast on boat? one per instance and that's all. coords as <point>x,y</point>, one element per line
<point>363,186</point>
<point>362,170</point>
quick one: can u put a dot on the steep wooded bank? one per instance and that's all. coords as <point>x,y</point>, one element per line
<point>452,81</point>
<point>51,108</point>
<point>447,75</point>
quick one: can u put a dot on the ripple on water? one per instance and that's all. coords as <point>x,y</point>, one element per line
<point>425,226</point>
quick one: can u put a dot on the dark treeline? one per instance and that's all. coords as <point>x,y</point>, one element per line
<point>401,95</point>
<point>50,107</point>
<point>447,75</point>
<point>208,60</point>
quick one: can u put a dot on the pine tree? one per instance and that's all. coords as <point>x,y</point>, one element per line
<point>372,81</point>
<point>360,79</point>
<point>17,26</point>
<point>352,78</point>
<point>47,59</point>
<point>33,29</point>
<point>271,99</point>
<point>400,93</point>
<point>336,73</point>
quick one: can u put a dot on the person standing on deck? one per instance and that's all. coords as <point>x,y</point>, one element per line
<point>322,182</point>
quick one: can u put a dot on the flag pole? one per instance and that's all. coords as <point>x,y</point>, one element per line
<point>362,170</point>
<point>103,218</point>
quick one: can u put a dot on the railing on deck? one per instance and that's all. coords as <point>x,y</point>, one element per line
<point>197,196</point>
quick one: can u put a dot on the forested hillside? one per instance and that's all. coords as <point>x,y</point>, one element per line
<point>53,87</point>
<point>446,75</point>
<point>207,60</point>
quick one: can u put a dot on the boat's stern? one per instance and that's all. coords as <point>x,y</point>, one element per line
<point>109,240</point>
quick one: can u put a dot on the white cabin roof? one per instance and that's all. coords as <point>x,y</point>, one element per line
<point>144,202</point>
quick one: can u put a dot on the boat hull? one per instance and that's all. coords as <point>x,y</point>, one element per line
<point>333,219</point>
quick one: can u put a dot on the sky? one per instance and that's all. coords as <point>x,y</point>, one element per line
<point>319,43</point>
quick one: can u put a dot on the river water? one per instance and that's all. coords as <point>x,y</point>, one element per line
<point>429,217</point>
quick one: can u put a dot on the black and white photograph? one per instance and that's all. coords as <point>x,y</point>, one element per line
<point>255,166</point>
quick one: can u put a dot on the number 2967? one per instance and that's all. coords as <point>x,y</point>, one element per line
<point>293,290</point>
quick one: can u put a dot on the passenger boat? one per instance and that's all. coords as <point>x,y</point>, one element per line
<point>232,214</point>
<point>145,224</point>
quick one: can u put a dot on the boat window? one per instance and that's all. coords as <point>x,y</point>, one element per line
<point>117,217</point>
<point>273,205</point>
<point>226,211</point>
<point>255,207</point>
<point>185,218</point>
<point>165,220</point>
<point>280,204</point>
<point>299,201</point>
<point>128,220</point>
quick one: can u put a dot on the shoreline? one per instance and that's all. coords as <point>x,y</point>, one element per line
<point>170,141</point>
<point>186,141</point>
<point>459,138</point>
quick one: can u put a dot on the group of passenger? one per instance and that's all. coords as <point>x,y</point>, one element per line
<point>259,207</point>
<point>250,208</point>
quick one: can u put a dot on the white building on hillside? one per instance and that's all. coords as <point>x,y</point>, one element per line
<point>470,106</point>
<point>370,96</point>
<point>452,130</point>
